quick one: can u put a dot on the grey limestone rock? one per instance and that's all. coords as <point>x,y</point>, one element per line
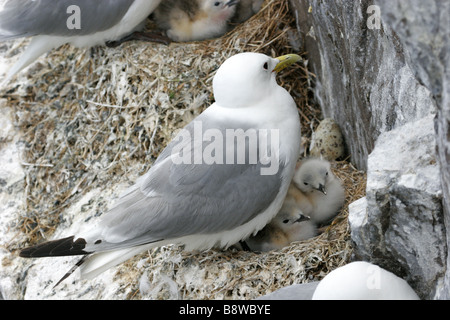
<point>382,72</point>
<point>400,223</point>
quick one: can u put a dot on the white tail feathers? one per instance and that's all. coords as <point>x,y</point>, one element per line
<point>37,47</point>
<point>100,262</point>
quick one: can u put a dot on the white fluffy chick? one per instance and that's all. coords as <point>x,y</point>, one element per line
<point>289,225</point>
<point>319,193</point>
<point>191,20</point>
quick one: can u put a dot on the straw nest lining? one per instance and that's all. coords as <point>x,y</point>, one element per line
<point>100,116</point>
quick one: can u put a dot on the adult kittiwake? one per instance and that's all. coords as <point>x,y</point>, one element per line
<point>82,23</point>
<point>222,178</point>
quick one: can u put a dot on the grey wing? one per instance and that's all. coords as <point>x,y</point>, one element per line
<point>174,200</point>
<point>22,18</point>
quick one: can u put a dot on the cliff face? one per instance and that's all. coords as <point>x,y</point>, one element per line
<point>382,74</point>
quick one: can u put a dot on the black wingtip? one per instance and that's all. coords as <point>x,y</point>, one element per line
<point>54,248</point>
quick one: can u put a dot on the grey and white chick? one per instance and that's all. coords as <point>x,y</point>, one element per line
<point>289,225</point>
<point>319,193</point>
<point>245,9</point>
<point>82,23</point>
<point>191,20</point>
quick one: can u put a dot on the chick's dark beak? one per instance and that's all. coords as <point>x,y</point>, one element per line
<point>232,3</point>
<point>303,218</point>
<point>321,188</point>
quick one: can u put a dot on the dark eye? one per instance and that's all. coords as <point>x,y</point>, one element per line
<point>266,66</point>
<point>326,173</point>
<point>305,183</point>
<point>217,4</point>
<point>286,221</point>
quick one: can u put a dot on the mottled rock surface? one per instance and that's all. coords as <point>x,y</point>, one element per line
<point>424,30</point>
<point>401,223</point>
<point>363,80</point>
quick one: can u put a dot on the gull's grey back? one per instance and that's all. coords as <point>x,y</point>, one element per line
<point>23,18</point>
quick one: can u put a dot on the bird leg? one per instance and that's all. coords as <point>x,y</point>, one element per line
<point>142,36</point>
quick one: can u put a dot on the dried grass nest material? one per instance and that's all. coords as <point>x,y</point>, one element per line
<point>89,117</point>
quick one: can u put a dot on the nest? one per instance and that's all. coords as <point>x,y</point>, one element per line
<point>177,274</point>
<point>95,117</point>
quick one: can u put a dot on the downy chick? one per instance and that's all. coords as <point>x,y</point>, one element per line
<point>245,9</point>
<point>289,225</point>
<point>318,192</point>
<point>191,20</point>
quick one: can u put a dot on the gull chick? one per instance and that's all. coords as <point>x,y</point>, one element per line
<point>190,20</point>
<point>289,225</point>
<point>82,23</point>
<point>319,193</point>
<point>202,203</point>
<point>245,9</point>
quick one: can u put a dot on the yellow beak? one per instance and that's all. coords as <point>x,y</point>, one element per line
<point>286,61</point>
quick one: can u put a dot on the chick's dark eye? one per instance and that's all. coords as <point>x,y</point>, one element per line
<point>305,183</point>
<point>286,221</point>
<point>266,66</point>
<point>216,4</point>
<point>326,173</point>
